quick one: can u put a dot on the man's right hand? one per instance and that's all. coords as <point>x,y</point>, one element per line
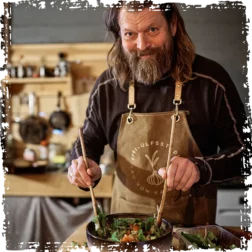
<point>80,175</point>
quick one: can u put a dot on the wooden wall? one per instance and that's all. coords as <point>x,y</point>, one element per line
<point>88,61</point>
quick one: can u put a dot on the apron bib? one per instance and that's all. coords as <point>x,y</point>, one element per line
<point>142,148</point>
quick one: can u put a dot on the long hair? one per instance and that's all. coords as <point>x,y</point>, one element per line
<point>183,48</point>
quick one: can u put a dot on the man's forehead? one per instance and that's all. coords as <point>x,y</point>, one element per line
<point>132,17</point>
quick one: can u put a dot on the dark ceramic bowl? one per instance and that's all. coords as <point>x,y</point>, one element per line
<point>96,243</point>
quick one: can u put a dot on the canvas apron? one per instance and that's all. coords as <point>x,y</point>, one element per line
<point>142,148</point>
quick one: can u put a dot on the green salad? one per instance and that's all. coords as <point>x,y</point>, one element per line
<point>128,229</point>
<point>209,241</point>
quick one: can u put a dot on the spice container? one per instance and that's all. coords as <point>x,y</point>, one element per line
<point>43,150</point>
<point>20,68</point>
<point>225,238</point>
<point>55,149</point>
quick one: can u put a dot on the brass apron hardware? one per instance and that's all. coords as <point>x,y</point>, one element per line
<point>131,102</point>
<point>130,118</point>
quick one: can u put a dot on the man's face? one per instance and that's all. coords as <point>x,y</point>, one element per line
<point>147,43</point>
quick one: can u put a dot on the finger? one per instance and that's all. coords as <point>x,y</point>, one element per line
<point>190,182</point>
<point>171,175</point>
<point>179,175</point>
<point>76,182</point>
<point>73,165</point>
<point>94,172</point>
<point>70,176</point>
<point>76,173</point>
<point>186,177</point>
<point>71,170</point>
<point>82,172</point>
<point>182,164</point>
<point>162,173</point>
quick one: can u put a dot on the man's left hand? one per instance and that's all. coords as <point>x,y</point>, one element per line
<point>181,175</point>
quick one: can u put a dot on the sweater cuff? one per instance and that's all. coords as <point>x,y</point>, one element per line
<point>87,189</point>
<point>205,170</point>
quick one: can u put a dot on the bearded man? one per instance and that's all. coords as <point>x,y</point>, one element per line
<point>154,73</point>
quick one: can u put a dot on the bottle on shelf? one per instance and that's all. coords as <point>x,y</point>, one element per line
<point>20,68</point>
<point>63,65</point>
<point>29,71</point>
<point>56,71</point>
<point>8,68</point>
<point>42,68</point>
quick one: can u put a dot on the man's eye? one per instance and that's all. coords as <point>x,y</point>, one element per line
<point>153,29</point>
<point>129,34</point>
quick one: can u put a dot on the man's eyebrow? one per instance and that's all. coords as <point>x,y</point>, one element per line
<point>154,23</point>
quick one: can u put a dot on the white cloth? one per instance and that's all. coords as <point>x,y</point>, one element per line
<point>42,220</point>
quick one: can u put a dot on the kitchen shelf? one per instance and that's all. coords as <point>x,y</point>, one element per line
<point>42,86</point>
<point>39,80</point>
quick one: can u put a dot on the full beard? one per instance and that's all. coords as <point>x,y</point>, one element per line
<point>150,70</point>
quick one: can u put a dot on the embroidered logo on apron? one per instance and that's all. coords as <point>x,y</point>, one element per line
<point>145,161</point>
<point>154,178</point>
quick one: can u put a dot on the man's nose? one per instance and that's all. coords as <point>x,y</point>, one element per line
<point>142,42</point>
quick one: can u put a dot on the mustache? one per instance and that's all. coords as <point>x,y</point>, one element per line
<point>149,51</point>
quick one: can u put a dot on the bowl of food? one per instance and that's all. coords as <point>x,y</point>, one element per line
<point>206,237</point>
<point>128,232</point>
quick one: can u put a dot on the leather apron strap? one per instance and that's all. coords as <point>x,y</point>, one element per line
<point>132,105</point>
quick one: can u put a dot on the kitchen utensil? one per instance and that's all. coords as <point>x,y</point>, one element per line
<point>55,149</point>
<point>161,208</point>
<point>59,119</point>
<point>96,243</point>
<point>86,163</point>
<point>33,129</point>
<point>23,166</point>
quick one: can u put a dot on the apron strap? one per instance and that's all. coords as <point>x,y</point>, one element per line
<point>132,105</point>
<point>177,98</point>
<point>131,101</point>
<point>178,91</point>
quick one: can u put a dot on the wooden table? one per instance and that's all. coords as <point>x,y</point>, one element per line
<point>55,184</point>
<point>79,236</point>
<point>52,184</point>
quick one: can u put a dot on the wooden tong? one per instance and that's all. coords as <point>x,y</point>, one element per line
<point>86,163</point>
<point>161,208</point>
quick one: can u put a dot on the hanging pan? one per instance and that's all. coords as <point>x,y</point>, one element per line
<point>59,119</point>
<point>34,128</point>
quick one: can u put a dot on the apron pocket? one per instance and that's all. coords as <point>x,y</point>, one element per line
<point>174,213</point>
<point>204,211</point>
<point>176,209</point>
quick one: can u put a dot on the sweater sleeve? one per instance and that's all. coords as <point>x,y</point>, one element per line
<point>93,130</point>
<point>229,124</point>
